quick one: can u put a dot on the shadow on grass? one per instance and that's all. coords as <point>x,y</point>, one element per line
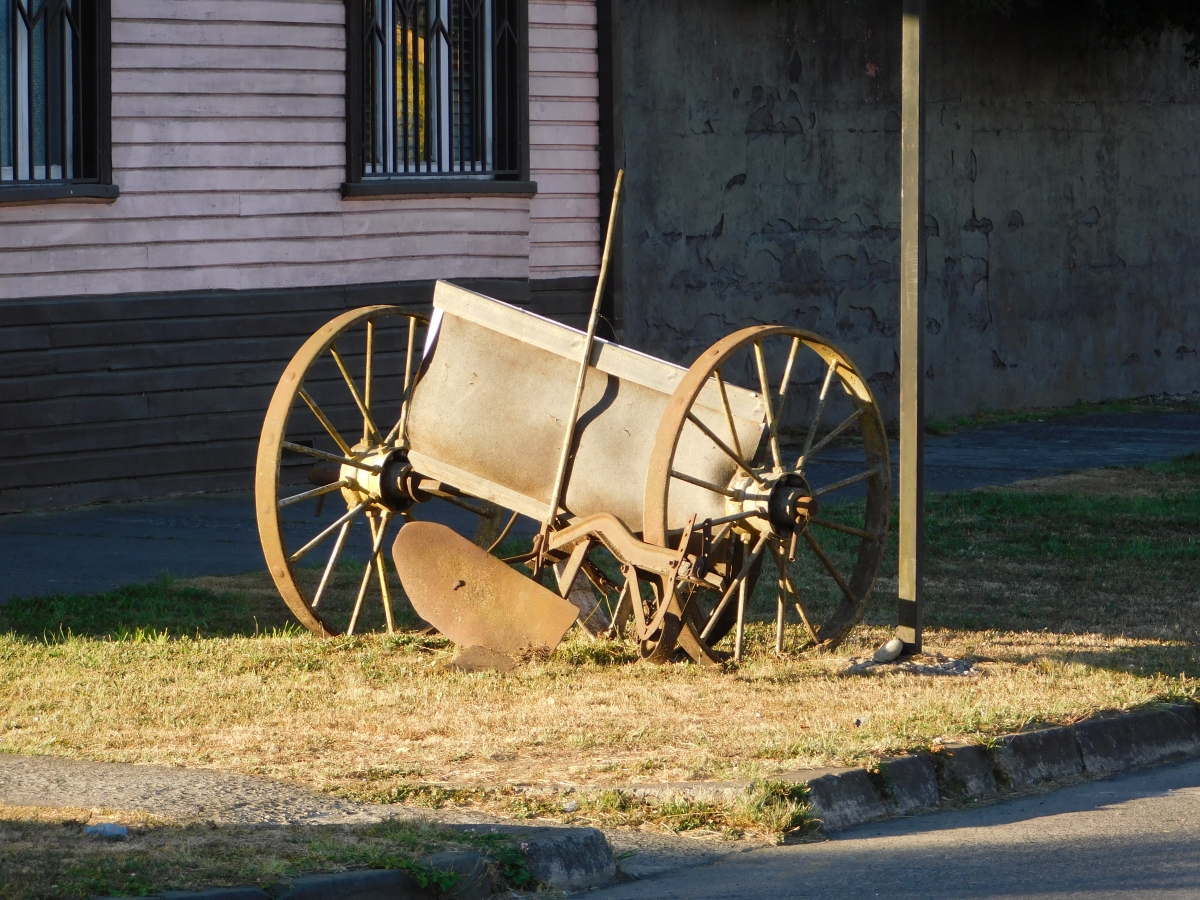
<point>164,607</point>
<point>46,853</point>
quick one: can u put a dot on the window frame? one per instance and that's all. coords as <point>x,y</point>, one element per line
<point>359,185</point>
<point>96,131</point>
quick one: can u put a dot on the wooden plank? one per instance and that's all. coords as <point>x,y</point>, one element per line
<point>193,58</point>
<point>222,34</point>
<point>228,131</point>
<point>553,206</point>
<point>541,38</point>
<point>577,184</point>
<point>566,111</point>
<point>549,62</point>
<point>552,14</point>
<point>238,375</point>
<point>159,181</point>
<point>40,362</point>
<point>543,159</point>
<point>564,86</point>
<point>132,206</point>
<point>269,275</point>
<point>244,156</point>
<point>275,11</point>
<point>564,135</point>
<point>192,81</point>
<point>225,106</point>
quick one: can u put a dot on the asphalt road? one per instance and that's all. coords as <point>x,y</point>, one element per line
<point>1134,835</point>
<point>102,547</point>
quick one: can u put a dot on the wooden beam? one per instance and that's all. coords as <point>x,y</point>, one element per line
<point>912,326</point>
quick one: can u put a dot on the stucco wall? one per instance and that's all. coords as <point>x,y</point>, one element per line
<point>761,141</point>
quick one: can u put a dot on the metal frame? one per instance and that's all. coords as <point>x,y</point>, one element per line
<point>79,142</point>
<point>503,85</point>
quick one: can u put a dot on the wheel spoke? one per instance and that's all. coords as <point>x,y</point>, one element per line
<point>716,489</point>
<point>785,382</point>
<point>315,492</point>
<point>398,429</point>
<point>728,595</point>
<point>737,444</point>
<point>845,529</point>
<point>772,426</point>
<point>812,429</point>
<point>333,556</point>
<point>367,375</point>
<point>829,566</point>
<point>846,482</point>
<point>786,579</point>
<point>724,448</point>
<point>362,593</point>
<point>368,422</point>
<point>324,420</point>
<point>825,441</point>
<point>349,516</point>
<point>381,568</point>
<point>332,457</point>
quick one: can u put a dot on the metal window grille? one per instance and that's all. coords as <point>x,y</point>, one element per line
<point>440,83</point>
<point>49,91</point>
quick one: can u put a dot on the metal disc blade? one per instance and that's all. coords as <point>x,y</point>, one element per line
<point>472,597</point>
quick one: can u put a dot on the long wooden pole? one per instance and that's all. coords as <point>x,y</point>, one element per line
<point>589,339</point>
<point>912,327</point>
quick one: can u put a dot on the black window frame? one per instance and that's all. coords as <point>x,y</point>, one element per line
<point>360,184</point>
<point>94,181</point>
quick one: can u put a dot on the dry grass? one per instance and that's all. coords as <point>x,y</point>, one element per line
<point>1071,604</point>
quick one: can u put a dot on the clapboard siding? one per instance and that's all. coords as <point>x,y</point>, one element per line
<point>564,139</point>
<point>142,338</point>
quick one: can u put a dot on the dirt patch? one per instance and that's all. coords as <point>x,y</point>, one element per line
<point>1109,482</point>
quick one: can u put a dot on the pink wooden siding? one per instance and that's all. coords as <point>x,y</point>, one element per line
<point>229,149</point>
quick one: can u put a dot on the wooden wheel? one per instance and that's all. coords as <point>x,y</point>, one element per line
<point>778,500</point>
<point>334,443</point>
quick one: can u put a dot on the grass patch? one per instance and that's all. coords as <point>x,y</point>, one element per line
<point>1072,603</point>
<point>1151,403</point>
<point>46,853</point>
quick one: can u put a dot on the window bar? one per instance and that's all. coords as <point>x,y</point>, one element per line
<point>389,84</point>
<point>489,108</point>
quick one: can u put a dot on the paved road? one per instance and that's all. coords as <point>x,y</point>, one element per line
<point>102,547</point>
<point>1131,836</point>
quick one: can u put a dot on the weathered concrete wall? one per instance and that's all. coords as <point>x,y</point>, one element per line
<point>761,140</point>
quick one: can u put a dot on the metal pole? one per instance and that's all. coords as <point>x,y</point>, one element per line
<point>910,606</point>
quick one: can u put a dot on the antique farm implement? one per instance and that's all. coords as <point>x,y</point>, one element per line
<point>676,486</point>
<point>685,477</point>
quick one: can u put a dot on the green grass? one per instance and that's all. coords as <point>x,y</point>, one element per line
<point>1152,403</point>
<point>45,854</point>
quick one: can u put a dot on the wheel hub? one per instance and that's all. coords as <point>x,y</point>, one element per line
<point>783,502</point>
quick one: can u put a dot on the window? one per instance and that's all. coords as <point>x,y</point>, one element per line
<point>435,96</point>
<point>54,99</point>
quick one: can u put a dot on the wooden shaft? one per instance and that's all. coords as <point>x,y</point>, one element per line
<point>565,456</point>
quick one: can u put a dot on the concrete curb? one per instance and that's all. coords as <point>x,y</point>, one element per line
<point>843,798</point>
<point>564,859</point>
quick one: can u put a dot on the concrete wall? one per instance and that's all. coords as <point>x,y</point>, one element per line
<point>761,141</point>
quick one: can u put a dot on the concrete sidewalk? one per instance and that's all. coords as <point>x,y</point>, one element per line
<point>99,548</point>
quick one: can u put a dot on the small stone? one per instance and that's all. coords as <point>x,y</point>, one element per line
<point>110,831</point>
<point>889,651</point>
<point>570,806</point>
